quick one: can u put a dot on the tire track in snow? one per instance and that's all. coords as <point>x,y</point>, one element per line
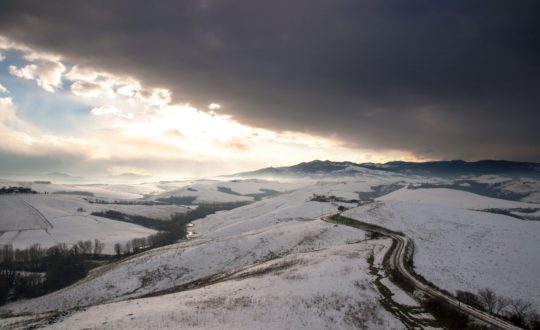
<point>41,216</point>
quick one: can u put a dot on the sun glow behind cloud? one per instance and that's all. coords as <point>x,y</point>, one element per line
<point>129,123</point>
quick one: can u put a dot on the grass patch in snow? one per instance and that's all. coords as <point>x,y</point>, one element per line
<point>410,316</point>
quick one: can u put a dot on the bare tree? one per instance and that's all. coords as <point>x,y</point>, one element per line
<point>519,310</point>
<point>75,250</point>
<point>98,246</point>
<point>533,320</point>
<point>22,255</point>
<point>118,249</point>
<point>59,249</point>
<point>7,254</point>
<point>501,304</point>
<point>85,247</point>
<point>35,253</point>
<point>488,299</point>
<point>468,298</point>
<point>138,243</point>
<point>127,247</point>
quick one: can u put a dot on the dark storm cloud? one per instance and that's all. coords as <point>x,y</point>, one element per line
<point>449,79</point>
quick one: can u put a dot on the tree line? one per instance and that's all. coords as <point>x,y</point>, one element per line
<point>34,271</point>
<point>515,310</point>
<point>16,190</point>
<point>137,245</point>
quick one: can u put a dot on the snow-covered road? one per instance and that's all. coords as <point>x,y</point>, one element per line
<point>398,256</point>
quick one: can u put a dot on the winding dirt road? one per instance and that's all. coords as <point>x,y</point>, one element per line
<point>397,260</point>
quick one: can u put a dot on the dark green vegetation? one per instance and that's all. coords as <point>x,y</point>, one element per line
<point>122,202</point>
<point>515,311</point>
<point>364,197</point>
<point>265,193</point>
<point>378,191</point>
<point>447,316</point>
<point>74,192</point>
<point>363,226</point>
<point>169,230</point>
<point>177,223</point>
<point>16,190</point>
<point>178,200</point>
<point>227,190</point>
<point>510,212</point>
<point>412,317</point>
<point>36,271</point>
<point>484,189</point>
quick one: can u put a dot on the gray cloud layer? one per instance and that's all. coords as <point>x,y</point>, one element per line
<point>448,79</point>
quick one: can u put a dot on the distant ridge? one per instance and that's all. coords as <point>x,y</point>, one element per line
<point>129,175</point>
<point>452,168</point>
<point>58,176</point>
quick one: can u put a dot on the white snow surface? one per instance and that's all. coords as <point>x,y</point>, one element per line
<point>298,291</point>
<point>452,198</point>
<point>254,186</point>
<point>100,191</point>
<point>26,219</point>
<point>204,193</point>
<point>274,264</point>
<point>527,186</point>
<point>17,214</point>
<point>181,263</point>
<point>460,249</point>
<point>244,245</point>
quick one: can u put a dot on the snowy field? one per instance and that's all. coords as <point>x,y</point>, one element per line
<point>273,263</point>
<point>55,206</point>
<point>460,249</point>
<point>100,191</point>
<point>276,263</point>
<point>211,191</point>
<point>296,205</point>
<point>254,186</point>
<point>226,241</point>
<point>16,214</point>
<point>297,291</point>
<point>528,187</point>
<point>453,198</point>
<point>51,219</point>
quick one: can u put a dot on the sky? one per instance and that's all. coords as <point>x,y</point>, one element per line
<point>197,88</point>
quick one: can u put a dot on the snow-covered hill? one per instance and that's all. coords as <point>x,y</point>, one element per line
<point>270,260</point>
<point>453,198</point>
<point>461,249</point>
<point>448,169</point>
<point>227,191</point>
<point>274,263</point>
<point>49,219</point>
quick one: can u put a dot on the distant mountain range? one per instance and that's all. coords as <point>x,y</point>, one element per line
<point>453,168</point>
<point>63,177</point>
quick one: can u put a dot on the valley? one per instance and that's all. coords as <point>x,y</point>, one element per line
<point>277,261</point>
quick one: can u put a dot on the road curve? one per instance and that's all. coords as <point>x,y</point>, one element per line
<point>397,260</point>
